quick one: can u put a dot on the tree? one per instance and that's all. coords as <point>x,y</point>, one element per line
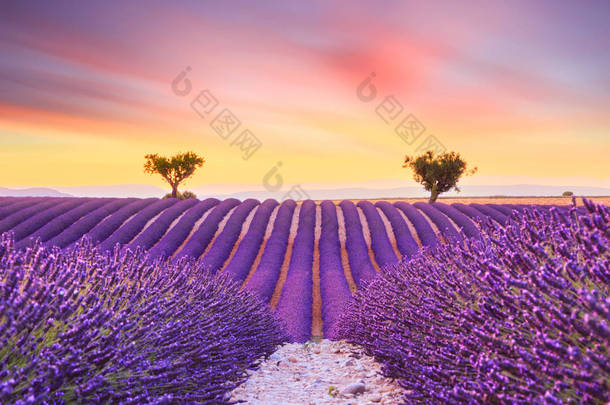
<point>175,169</point>
<point>567,194</point>
<point>438,174</point>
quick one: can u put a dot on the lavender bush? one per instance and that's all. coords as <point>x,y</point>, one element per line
<point>520,316</point>
<point>78,326</point>
<point>517,207</point>
<point>40,219</point>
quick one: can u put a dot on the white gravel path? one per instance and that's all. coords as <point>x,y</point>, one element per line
<point>318,373</point>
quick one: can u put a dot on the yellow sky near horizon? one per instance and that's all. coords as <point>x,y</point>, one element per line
<point>66,158</point>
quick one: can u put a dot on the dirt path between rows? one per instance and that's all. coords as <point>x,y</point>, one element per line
<point>321,373</point>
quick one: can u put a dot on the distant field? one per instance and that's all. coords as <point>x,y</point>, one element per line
<point>305,259</point>
<point>502,200</point>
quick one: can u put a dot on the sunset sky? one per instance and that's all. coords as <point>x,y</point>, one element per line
<point>521,89</point>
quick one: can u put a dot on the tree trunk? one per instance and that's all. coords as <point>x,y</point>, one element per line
<point>174,191</point>
<point>433,194</point>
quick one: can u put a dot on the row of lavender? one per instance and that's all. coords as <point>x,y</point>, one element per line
<point>190,229</point>
<point>518,315</point>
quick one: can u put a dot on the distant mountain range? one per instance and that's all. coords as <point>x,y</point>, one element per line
<point>32,192</point>
<point>119,190</point>
<point>146,191</point>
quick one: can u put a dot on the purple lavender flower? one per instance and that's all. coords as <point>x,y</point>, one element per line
<point>79,326</point>
<point>517,316</point>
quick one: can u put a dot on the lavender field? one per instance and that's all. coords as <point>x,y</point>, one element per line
<point>520,315</point>
<point>272,249</point>
<point>304,203</point>
<point>467,303</point>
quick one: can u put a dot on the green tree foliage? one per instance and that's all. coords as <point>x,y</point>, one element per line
<point>567,194</point>
<point>188,194</point>
<point>175,169</point>
<point>181,196</point>
<point>438,174</point>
